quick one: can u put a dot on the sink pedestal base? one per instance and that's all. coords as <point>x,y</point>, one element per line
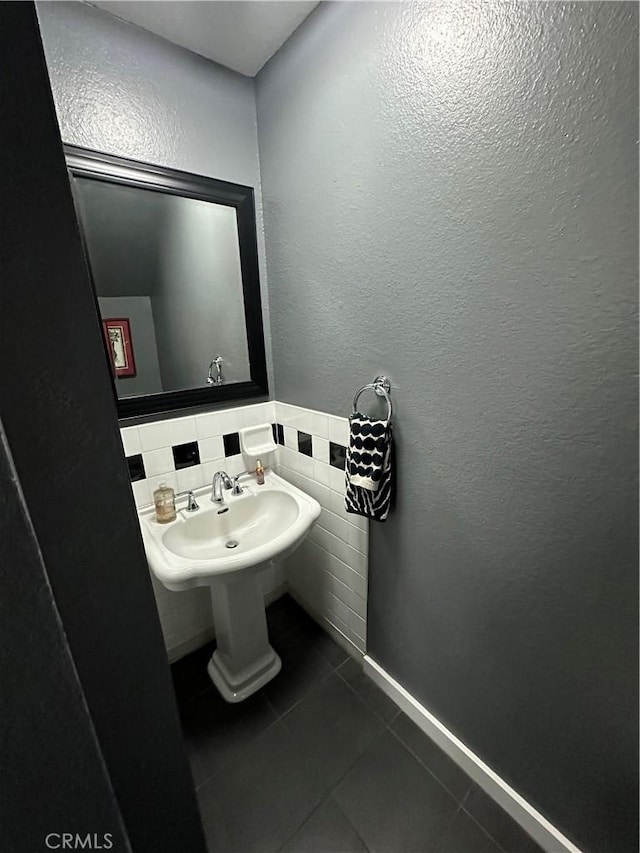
<point>244,660</point>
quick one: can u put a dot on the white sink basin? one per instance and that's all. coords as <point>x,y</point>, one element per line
<point>265,522</point>
<point>225,546</point>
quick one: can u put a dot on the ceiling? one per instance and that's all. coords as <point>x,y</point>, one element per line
<point>240,35</point>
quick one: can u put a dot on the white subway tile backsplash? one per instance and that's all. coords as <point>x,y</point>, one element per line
<point>340,549</point>
<point>141,494</point>
<point>254,415</point>
<point>328,521</point>
<point>218,423</point>
<point>336,480</point>
<point>295,416</point>
<point>358,642</point>
<point>358,539</point>
<point>348,597</point>
<point>355,537</point>
<point>339,430</point>
<point>340,610</point>
<point>329,570</point>
<point>292,476</point>
<point>233,419</point>
<point>320,449</point>
<point>304,465</point>
<point>287,457</point>
<point>234,465</point>
<point>290,438</point>
<point>317,491</point>
<point>182,430</point>
<point>208,425</point>
<point>169,478</point>
<point>336,623</point>
<point>211,448</point>
<point>158,461</point>
<point>190,478</point>
<point>320,425</point>
<point>348,576</point>
<point>301,420</point>
<point>131,441</point>
<point>356,623</point>
<point>154,436</point>
<point>270,412</point>
<point>321,474</point>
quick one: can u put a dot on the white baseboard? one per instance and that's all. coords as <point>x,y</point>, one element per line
<point>538,827</point>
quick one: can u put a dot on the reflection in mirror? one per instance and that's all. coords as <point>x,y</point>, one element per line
<point>170,266</point>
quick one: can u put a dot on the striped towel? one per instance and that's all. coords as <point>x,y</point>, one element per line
<point>369,467</point>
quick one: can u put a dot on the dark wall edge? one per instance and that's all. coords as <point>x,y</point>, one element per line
<point>61,426</point>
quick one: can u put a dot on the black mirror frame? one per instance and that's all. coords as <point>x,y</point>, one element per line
<point>82,162</point>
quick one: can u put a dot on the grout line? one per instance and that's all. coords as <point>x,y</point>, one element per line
<point>361,698</point>
<point>337,805</point>
<point>316,685</point>
<point>394,718</point>
<point>357,758</point>
<point>305,821</point>
<point>486,831</point>
<point>446,826</point>
<point>337,536</point>
<point>430,771</point>
<point>466,796</point>
<point>355,571</point>
<point>242,748</point>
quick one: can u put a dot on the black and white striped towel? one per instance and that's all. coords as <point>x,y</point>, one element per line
<point>369,467</point>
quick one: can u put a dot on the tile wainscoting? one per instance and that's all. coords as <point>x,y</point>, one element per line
<point>327,574</point>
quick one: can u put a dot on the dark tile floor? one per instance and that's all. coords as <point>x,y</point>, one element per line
<point>321,761</point>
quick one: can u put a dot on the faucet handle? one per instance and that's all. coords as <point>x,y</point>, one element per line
<point>192,503</point>
<point>237,488</point>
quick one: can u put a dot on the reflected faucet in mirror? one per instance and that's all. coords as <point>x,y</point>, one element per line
<point>218,379</point>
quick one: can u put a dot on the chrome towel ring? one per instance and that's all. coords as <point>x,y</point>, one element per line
<point>382,388</point>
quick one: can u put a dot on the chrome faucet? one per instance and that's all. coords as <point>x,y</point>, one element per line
<point>220,479</point>
<point>236,487</point>
<point>218,379</point>
<point>192,503</point>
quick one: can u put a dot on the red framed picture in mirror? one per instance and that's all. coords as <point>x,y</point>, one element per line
<point>118,334</point>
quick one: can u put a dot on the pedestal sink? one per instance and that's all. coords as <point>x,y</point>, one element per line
<point>225,547</point>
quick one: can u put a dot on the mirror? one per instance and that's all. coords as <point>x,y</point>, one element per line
<point>173,261</point>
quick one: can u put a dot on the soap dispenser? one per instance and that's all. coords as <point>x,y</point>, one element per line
<point>164,499</point>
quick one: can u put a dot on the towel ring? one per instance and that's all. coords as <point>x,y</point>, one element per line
<point>382,387</point>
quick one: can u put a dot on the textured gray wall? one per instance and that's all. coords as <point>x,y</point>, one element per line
<point>121,90</point>
<point>451,197</point>
<point>143,336</point>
